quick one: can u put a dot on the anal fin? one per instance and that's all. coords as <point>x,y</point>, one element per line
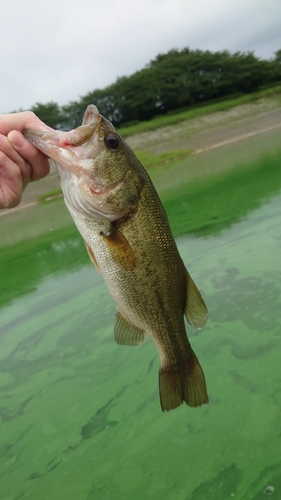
<point>196,311</point>
<point>125,333</point>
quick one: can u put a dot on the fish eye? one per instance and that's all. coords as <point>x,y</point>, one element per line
<point>112,142</point>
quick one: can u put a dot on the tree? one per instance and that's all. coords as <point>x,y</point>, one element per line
<point>49,113</point>
<point>171,81</point>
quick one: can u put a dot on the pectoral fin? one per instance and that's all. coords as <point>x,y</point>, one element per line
<point>120,249</point>
<point>92,257</point>
<point>125,333</point>
<point>196,311</point>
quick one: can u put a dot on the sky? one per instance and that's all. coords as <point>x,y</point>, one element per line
<point>59,50</point>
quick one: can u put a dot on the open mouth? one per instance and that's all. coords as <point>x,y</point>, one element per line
<point>68,147</point>
<point>52,144</point>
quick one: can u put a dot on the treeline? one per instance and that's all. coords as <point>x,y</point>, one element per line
<point>171,81</point>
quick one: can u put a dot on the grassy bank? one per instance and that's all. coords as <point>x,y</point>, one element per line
<point>201,110</point>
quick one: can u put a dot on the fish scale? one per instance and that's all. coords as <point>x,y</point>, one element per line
<point>127,235</point>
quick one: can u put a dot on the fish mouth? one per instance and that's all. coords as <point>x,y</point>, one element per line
<point>67,148</point>
<point>74,152</point>
<point>50,143</point>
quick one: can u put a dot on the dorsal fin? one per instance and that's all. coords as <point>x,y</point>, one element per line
<point>196,311</point>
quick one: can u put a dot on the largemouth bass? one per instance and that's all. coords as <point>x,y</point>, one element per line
<point>127,235</point>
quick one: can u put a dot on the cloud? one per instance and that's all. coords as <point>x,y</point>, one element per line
<point>58,51</point>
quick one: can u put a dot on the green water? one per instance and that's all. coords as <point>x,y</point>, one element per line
<point>80,415</point>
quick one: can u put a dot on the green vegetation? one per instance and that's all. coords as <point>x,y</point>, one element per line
<point>202,207</point>
<point>64,247</point>
<point>170,82</point>
<point>199,110</point>
<point>150,160</point>
<point>206,206</point>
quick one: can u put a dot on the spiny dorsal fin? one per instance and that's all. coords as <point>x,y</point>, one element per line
<point>196,311</point>
<point>125,333</point>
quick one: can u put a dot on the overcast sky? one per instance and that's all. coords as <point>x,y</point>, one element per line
<point>58,50</point>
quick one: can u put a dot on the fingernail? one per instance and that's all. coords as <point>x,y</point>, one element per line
<point>16,140</point>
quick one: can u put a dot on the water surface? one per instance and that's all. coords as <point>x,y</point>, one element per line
<point>80,416</point>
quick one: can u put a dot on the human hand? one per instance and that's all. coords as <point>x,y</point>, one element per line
<point>20,161</point>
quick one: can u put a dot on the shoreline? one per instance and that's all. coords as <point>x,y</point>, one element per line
<point>255,121</point>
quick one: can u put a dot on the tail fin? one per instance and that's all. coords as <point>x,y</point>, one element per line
<point>186,383</point>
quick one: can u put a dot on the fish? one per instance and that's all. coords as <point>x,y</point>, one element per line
<point>120,217</point>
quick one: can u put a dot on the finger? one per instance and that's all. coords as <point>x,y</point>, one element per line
<point>18,165</point>
<point>36,160</point>
<point>20,121</point>
<point>11,182</point>
<point>9,150</point>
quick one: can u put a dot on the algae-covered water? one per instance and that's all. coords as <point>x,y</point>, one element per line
<point>80,415</point>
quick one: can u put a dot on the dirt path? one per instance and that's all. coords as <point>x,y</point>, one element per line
<point>200,135</point>
<point>203,133</point>
<point>238,138</point>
